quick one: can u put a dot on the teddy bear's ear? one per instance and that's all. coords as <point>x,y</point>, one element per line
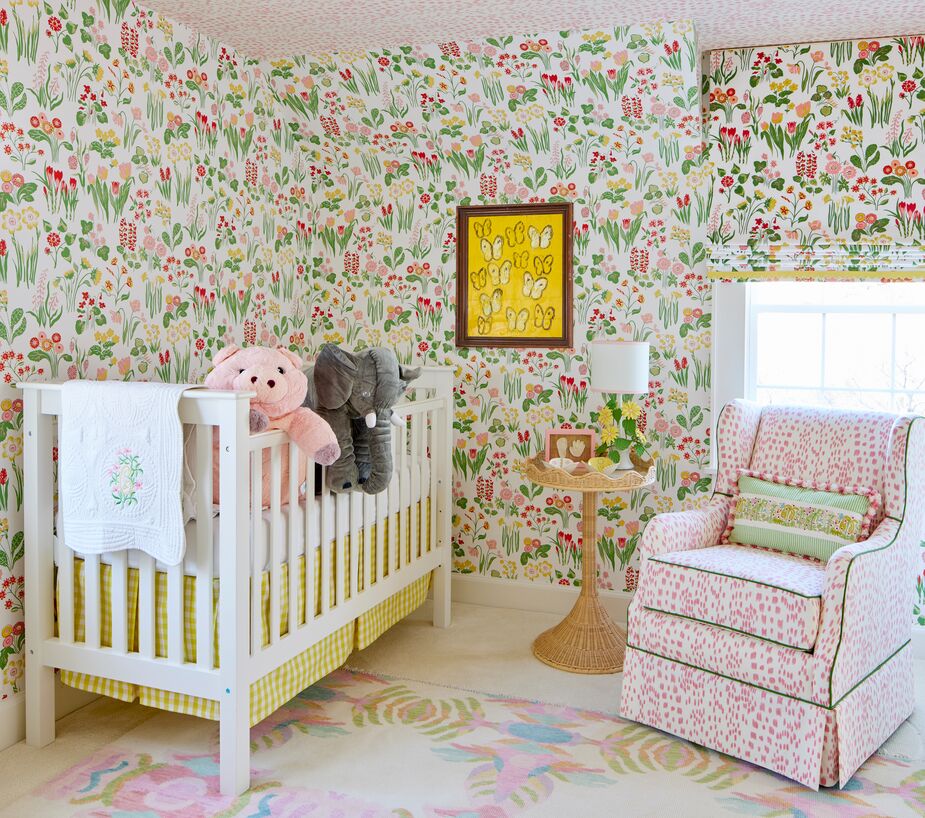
<point>225,353</point>
<point>408,373</point>
<point>294,359</point>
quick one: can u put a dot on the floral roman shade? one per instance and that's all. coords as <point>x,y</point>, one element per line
<point>817,153</point>
<point>842,262</point>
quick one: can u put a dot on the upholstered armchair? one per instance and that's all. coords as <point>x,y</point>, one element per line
<point>800,666</point>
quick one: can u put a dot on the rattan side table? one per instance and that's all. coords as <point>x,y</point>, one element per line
<point>587,640</point>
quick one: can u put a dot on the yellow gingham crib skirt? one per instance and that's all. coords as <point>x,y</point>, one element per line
<point>275,688</point>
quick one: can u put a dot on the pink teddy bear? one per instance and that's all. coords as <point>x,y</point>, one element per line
<point>276,376</point>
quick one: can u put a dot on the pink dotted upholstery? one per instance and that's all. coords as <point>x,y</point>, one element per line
<point>814,716</point>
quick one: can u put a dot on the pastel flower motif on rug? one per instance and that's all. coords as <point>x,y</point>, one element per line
<point>357,744</point>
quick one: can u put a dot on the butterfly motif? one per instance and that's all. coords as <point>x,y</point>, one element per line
<point>541,319</point>
<point>517,321</point>
<point>534,287</point>
<point>500,273</point>
<point>540,238</point>
<point>484,325</point>
<point>482,229</point>
<point>492,250</point>
<point>521,260</point>
<point>515,234</point>
<point>491,305</point>
<point>479,278</point>
<point>542,266</point>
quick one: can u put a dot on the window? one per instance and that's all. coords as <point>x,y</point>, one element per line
<point>858,345</point>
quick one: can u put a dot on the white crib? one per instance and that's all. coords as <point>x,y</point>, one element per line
<point>369,565</point>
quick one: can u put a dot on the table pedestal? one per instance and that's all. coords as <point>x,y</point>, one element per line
<point>587,640</point>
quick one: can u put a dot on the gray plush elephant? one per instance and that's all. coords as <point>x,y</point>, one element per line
<point>354,393</point>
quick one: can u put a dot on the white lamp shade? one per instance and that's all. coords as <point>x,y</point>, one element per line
<point>620,367</point>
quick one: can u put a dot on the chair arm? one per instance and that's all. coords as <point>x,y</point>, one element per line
<point>685,530</point>
<point>866,608</point>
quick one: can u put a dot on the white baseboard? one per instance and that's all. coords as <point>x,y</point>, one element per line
<point>522,596</point>
<point>13,712</point>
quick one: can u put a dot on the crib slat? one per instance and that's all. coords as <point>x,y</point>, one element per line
<point>295,463</point>
<point>276,541</point>
<point>395,493</point>
<point>432,494</point>
<point>310,519</point>
<point>66,595</point>
<point>146,633</point>
<point>324,562</point>
<point>403,539</point>
<point>369,520</point>
<point>175,613</point>
<point>414,513</point>
<point>204,538</point>
<point>256,550</point>
<point>342,523</point>
<point>356,512</point>
<point>382,516</point>
<point>92,600</point>
<point>119,602</point>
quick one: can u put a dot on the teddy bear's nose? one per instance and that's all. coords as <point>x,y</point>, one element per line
<point>271,384</point>
<point>254,379</point>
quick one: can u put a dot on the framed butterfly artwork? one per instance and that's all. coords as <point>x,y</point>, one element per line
<point>514,275</point>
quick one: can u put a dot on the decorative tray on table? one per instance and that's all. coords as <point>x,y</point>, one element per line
<point>584,478</point>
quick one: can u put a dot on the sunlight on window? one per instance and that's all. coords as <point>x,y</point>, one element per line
<point>846,345</point>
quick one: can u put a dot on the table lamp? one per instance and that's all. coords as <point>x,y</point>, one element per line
<point>620,368</point>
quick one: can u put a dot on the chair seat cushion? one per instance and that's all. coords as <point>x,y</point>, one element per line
<point>763,593</point>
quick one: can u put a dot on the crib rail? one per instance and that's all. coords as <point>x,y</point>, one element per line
<point>292,569</point>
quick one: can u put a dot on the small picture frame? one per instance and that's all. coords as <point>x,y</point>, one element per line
<point>576,445</point>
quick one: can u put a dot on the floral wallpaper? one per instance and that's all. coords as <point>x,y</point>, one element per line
<point>609,120</point>
<point>147,216</point>
<point>818,146</point>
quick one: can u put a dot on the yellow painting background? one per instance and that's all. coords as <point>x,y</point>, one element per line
<point>483,319</point>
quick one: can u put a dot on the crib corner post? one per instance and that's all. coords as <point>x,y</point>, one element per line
<point>442,597</point>
<point>234,599</point>
<point>39,570</point>
<point>444,465</point>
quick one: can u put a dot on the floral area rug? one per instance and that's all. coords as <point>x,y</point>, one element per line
<point>357,745</point>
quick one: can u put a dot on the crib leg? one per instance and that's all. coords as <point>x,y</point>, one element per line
<point>442,615</point>
<point>40,704</point>
<point>234,745</point>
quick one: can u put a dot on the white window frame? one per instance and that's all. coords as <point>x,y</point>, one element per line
<point>735,344</point>
<point>731,310</point>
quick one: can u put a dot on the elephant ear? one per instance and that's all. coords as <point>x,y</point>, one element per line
<point>335,373</point>
<point>409,373</point>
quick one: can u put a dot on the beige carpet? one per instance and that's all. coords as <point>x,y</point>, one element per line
<point>486,650</point>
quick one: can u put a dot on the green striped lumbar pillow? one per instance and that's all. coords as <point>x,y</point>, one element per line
<point>799,518</point>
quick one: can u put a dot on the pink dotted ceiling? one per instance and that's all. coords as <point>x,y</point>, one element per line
<point>278,28</point>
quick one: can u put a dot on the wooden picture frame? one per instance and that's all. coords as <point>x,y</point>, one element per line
<point>555,436</point>
<point>514,275</point>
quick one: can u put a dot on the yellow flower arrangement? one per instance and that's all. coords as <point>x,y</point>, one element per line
<point>621,425</point>
<point>631,409</point>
